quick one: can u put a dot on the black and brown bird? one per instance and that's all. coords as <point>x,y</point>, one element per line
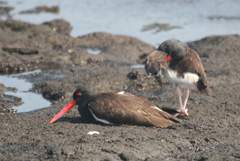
<point>181,65</point>
<point>117,108</point>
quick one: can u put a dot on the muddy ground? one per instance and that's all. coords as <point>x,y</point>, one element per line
<point>210,133</point>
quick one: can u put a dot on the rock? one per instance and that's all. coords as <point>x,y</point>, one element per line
<point>216,45</point>
<point>68,150</point>
<point>6,68</point>
<point>7,102</point>
<point>117,48</point>
<point>5,11</point>
<point>40,9</point>
<point>19,50</point>
<point>50,50</point>
<point>2,89</point>
<point>51,90</point>
<point>159,27</point>
<point>216,157</point>
<point>219,17</point>
<point>59,25</point>
<point>15,26</point>
<point>128,156</point>
<point>133,75</point>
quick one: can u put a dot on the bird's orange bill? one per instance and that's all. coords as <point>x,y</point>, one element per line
<point>65,109</point>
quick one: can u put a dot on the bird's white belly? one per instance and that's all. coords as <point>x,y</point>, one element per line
<point>188,80</point>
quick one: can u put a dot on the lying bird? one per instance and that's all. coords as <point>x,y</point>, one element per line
<point>181,65</point>
<point>117,108</point>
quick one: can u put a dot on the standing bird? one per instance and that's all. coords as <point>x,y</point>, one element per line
<point>117,108</point>
<point>183,67</point>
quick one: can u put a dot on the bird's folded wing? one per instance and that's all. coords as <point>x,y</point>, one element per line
<point>129,110</point>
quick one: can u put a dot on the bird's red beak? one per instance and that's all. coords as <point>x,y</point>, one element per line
<point>167,58</point>
<point>65,109</point>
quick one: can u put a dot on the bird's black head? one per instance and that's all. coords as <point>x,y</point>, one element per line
<point>78,93</point>
<point>174,48</point>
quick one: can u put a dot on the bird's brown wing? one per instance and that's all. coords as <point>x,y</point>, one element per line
<point>129,109</point>
<point>192,63</point>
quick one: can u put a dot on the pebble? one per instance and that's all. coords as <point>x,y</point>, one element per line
<point>93,133</point>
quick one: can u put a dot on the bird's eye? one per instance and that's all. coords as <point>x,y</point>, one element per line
<point>78,94</point>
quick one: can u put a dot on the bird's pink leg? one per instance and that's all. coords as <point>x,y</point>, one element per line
<point>185,102</point>
<point>182,109</point>
<point>179,93</point>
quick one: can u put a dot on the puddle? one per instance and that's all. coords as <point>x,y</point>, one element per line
<point>94,51</point>
<point>137,66</point>
<point>31,101</point>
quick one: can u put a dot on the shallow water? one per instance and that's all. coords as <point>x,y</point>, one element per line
<point>195,19</point>
<point>94,51</point>
<point>137,66</point>
<point>31,101</point>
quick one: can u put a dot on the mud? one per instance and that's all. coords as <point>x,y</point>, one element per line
<point>211,132</point>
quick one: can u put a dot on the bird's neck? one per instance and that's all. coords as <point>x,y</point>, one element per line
<point>83,100</point>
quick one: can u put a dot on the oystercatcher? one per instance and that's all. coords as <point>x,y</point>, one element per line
<point>117,108</point>
<point>182,66</point>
